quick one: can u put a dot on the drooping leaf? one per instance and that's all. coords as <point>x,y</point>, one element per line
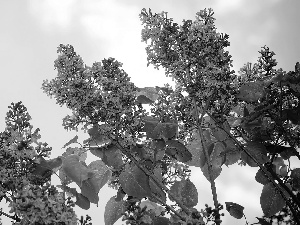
<point>216,159</point>
<point>177,150</point>
<point>73,140</point>
<point>235,209</point>
<point>88,189</point>
<point>74,169</point>
<point>135,182</point>
<point>113,210</point>
<point>270,200</point>
<point>258,151</point>
<point>251,92</point>
<point>185,191</point>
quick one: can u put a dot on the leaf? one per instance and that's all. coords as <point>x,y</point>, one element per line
<point>156,190</point>
<point>295,175</point>
<point>97,139</point>
<point>88,189</point>
<point>73,140</point>
<point>157,130</point>
<point>261,178</point>
<point>216,159</point>
<point>185,191</point>
<point>135,182</point>
<point>113,210</point>
<point>235,209</point>
<point>251,92</point>
<point>153,207</point>
<point>270,200</point>
<point>101,175</point>
<point>161,221</point>
<point>177,150</point>
<point>80,152</point>
<point>82,201</point>
<point>219,134</point>
<point>74,169</point>
<point>258,151</point>
<point>113,157</point>
<point>44,167</point>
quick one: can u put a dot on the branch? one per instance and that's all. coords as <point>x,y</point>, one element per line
<point>265,171</point>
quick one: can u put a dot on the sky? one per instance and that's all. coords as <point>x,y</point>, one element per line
<point>31,31</point>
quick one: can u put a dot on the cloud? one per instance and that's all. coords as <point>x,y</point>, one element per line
<point>53,13</point>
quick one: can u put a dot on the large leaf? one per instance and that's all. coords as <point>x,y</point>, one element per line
<point>270,200</point>
<point>235,209</point>
<point>185,191</point>
<point>258,151</point>
<point>89,190</point>
<point>156,190</point>
<point>113,157</point>
<point>113,211</point>
<point>75,170</point>
<point>251,91</point>
<point>216,159</point>
<point>178,150</point>
<point>101,174</point>
<point>135,182</point>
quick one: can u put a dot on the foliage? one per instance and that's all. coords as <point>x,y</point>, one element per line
<point>211,118</point>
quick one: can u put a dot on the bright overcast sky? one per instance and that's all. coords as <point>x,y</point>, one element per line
<point>32,30</point>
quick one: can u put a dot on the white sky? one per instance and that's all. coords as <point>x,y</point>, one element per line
<point>31,30</point>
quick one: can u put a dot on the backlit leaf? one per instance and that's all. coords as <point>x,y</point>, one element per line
<point>88,189</point>
<point>102,174</point>
<point>74,169</point>
<point>113,210</point>
<point>270,200</point>
<point>135,182</point>
<point>113,157</point>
